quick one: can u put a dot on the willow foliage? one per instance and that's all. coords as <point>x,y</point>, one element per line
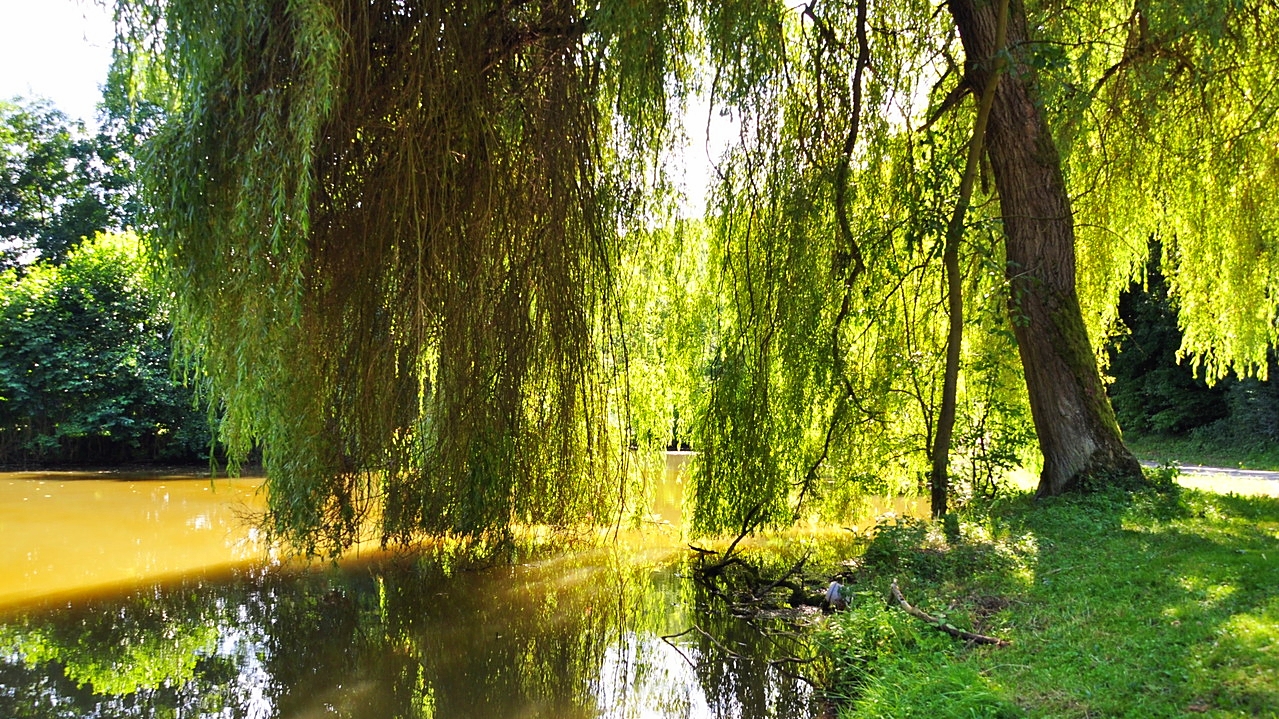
<point>391,227</point>
<point>827,372</point>
<point>833,208</point>
<point>1173,131</point>
<point>414,250</point>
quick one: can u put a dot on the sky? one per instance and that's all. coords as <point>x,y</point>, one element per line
<point>58,49</point>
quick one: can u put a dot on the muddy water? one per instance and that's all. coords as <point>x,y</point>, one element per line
<point>151,597</point>
<point>71,532</point>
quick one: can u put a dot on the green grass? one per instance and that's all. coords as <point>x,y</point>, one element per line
<point>1155,605</point>
<point>1181,450</point>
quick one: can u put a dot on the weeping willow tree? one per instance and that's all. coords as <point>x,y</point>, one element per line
<point>408,239</point>
<point>391,228</point>
<point>1109,123</point>
<point>832,219</point>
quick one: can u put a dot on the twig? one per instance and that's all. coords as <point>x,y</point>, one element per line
<point>939,624</point>
<point>718,644</point>
<point>668,637</point>
<point>748,524</point>
<point>789,573</point>
<point>950,102</point>
<point>792,675</point>
<point>791,660</point>
<point>775,664</point>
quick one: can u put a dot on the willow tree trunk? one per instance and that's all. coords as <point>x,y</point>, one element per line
<point>1077,431</point>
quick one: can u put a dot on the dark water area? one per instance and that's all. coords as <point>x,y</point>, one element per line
<point>576,635</point>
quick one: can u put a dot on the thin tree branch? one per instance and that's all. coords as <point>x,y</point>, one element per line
<point>943,626</point>
<point>940,478</point>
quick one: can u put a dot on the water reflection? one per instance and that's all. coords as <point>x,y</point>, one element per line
<point>571,637</point>
<point>578,635</point>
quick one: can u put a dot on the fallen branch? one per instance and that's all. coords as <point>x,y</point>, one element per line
<point>748,525</point>
<point>939,624</point>
<point>782,580</point>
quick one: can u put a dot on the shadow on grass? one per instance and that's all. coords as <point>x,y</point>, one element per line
<point>1146,606</point>
<point>1118,605</point>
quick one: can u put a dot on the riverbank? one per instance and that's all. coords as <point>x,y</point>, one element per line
<point>1154,605</point>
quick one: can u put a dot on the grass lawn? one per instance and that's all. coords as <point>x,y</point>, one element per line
<point>1154,605</point>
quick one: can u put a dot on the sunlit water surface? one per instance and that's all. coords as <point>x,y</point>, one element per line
<point>67,532</point>
<point>153,598</point>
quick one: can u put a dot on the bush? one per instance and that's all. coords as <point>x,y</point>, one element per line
<point>85,364</point>
<point>858,639</point>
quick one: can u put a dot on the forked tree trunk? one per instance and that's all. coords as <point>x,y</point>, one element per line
<point>1077,431</point>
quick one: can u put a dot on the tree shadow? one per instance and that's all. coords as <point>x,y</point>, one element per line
<point>1153,606</point>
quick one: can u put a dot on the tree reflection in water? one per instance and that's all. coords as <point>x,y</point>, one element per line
<point>576,636</point>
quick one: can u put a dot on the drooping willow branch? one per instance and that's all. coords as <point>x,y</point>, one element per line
<point>850,250</point>
<point>392,233</point>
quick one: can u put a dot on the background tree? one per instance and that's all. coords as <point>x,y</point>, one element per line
<point>58,184</point>
<point>1158,395</point>
<point>85,368</point>
<point>1152,392</point>
<point>849,178</point>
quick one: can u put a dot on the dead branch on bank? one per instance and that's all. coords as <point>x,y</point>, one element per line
<point>942,625</point>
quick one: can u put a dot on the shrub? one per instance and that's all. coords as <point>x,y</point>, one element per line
<point>85,364</point>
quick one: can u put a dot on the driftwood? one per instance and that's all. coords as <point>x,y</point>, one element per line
<point>939,624</point>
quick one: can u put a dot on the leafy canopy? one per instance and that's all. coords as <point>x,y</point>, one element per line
<point>408,239</point>
<point>58,184</point>
<point>85,363</point>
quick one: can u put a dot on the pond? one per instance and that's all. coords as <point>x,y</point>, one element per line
<point>153,597</point>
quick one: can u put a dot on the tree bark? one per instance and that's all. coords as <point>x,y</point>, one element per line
<point>1078,434</point>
